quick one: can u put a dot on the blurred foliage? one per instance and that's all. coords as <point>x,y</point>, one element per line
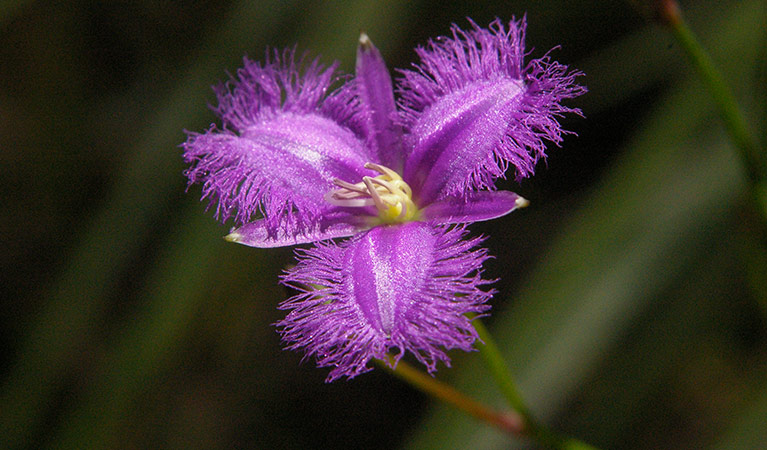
<point>632,290</point>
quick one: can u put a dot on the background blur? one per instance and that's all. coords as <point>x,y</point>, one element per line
<point>632,301</point>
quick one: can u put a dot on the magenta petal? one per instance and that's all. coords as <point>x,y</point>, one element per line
<point>283,83</point>
<point>284,138</point>
<point>374,88</point>
<point>281,168</point>
<point>401,288</point>
<point>457,136</point>
<point>475,207</point>
<point>338,225</point>
<point>472,109</point>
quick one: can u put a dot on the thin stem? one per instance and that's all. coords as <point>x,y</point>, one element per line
<point>509,422</point>
<point>497,366</point>
<point>513,423</point>
<point>505,381</point>
<point>735,124</point>
<point>753,156</point>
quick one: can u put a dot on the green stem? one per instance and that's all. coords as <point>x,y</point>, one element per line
<point>735,124</point>
<point>505,381</point>
<point>507,421</point>
<point>503,378</point>
<point>750,152</point>
<point>519,423</point>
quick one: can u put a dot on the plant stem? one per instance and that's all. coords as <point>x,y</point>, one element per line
<point>497,366</point>
<point>753,156</point>
<point>517,423</point>
<point>505,381</point>
<point>735,124</point>
<point>509,422</point>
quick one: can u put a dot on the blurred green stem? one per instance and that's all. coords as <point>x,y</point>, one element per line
<point>505,381</point>
<point>509,422</point>
<point>503,378</point>
<point>748,149</point>
<point>750,152</point>
<point>518,423</point>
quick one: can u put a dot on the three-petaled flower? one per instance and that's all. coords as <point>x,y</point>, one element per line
<point>297,162</point>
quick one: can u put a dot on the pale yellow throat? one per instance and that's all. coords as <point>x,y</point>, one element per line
<point>391,196</point>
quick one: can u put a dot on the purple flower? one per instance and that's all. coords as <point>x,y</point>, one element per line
<point>297,161</point>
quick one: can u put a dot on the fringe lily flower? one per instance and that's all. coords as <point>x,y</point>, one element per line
<point>297,162</point>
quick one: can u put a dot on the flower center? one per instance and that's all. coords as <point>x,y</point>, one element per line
<point>391,196</point>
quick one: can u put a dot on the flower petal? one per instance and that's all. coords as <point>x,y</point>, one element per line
<point>331,226</point>
<point>282,84</point>
<point>475,207</point>
<point>374,87</point>
<point>283,142</point>
<point>471,108</point>
<point>404,288</point>
<point>281,168</point>
<point>453,141</point>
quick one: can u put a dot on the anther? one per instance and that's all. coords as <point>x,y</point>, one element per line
<point>388,192</point>
<point>383,170</point>
<point>374,194</point>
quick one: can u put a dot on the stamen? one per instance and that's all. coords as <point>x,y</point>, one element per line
<point>374,193</point>
<point>349,186</point>
<point>383,183</point>
<point>388,192</point>
<point>383,170</point>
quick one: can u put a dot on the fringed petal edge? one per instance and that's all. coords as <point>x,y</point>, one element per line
<point>327,323</point>
<point>475,60</point>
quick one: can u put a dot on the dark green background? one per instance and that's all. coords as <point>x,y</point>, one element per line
<point>632,300</point>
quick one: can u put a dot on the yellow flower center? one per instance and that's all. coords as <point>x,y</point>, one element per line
<point>391,196</point>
